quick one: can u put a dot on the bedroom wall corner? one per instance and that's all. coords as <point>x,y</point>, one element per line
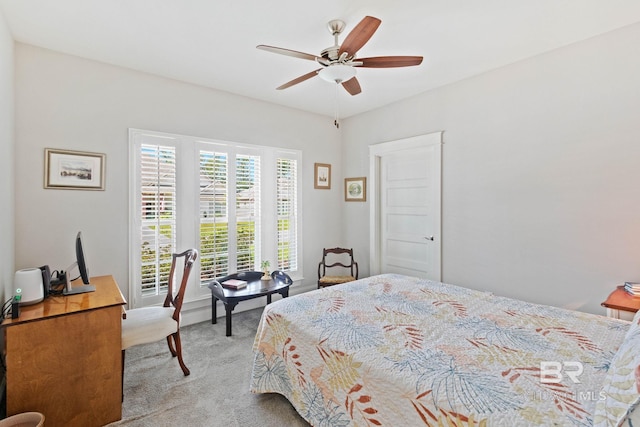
<point>355,215</point>
<point>7,147</point>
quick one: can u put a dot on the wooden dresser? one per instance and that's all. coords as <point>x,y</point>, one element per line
<point>64,357</point>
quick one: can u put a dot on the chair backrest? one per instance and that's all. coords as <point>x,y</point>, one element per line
<point>281,276</point>
<point>340,254</point>
<point>190,256</point>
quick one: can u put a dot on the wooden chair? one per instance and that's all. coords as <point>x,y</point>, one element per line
<point>150,324</point>
<point>339,254</point>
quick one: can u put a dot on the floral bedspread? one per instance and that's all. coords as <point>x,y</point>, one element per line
<point>393,350</point>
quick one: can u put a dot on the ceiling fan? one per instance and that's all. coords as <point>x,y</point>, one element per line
<point>339,61</point>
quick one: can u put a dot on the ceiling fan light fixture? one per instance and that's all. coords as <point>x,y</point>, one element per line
<point>338,62</point>
<point>337,73</point>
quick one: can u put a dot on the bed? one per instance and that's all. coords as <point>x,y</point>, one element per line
<point>392,350</point>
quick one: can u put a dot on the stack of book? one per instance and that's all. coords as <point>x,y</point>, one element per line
<point>234,284</point>
<point>632,287</point>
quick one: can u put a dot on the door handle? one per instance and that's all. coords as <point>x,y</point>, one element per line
<point>428,238</point>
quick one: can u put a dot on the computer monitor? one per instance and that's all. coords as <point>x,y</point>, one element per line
<point>81,264</point>
<point>80,259</point>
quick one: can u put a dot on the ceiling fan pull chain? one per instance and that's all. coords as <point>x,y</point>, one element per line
<point>336,118</point>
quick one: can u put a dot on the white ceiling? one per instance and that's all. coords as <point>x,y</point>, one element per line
<point>213,42</point>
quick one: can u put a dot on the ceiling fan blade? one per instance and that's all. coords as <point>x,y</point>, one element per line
<point>299,79</point>
<point>389,61</point>
<point>359,35</point>
<point>352,86</point>
<point>288,52</point>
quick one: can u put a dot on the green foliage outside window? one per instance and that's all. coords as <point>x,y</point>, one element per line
<point>156,266</point>
<point>214,248</point>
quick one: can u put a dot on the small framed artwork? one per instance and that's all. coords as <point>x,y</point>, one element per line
<point>322,176</point>
<point>73,170</point>
<point>355,189</point>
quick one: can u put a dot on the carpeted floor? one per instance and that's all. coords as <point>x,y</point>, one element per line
<point>156,393</point>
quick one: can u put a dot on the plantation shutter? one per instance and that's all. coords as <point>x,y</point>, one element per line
<point>238,204</point>
<point>214,215</point>
<point>247,211</point>
<point>287,203</point>
<point>157,178</point>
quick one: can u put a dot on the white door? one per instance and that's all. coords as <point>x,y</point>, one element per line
<point>407,207</point>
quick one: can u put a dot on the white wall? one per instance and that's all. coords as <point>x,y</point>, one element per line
<point>7,143</point>
<point>71,103</point>
<point>541,172</point>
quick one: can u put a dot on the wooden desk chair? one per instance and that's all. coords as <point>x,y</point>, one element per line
<point>150,324</point>
<point>339,254</point>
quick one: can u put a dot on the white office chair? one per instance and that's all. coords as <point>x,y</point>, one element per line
<point>150,324</point>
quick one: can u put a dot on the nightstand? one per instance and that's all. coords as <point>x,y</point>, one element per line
<point>621,305</point>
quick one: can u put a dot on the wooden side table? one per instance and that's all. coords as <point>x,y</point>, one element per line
<point>255,288</point>
<point>621,305</point>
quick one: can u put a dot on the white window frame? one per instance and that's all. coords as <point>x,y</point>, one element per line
<point>188,205</point>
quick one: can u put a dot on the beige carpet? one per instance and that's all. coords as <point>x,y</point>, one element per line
<point>156,393</point>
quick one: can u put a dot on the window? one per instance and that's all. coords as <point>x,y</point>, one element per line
<point>214,223</point>
<point>158,217</point>
<point>247,216</point>
<point>287,190</point>
<point>215,196</point>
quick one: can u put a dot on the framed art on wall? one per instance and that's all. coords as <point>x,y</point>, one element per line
<point>322,176</point>
<point>355,189</point>
<point>73,170</point>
